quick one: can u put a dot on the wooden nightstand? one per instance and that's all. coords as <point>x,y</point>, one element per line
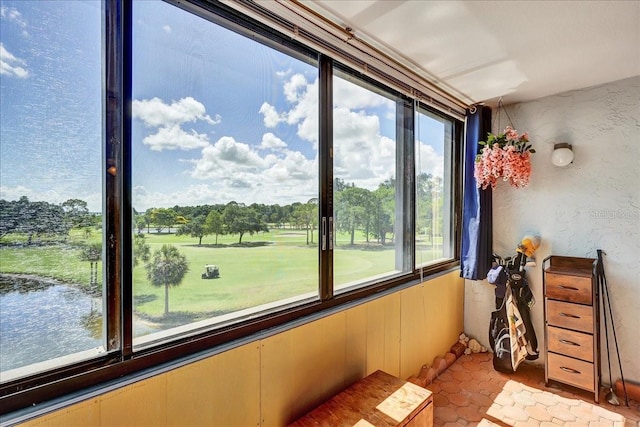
<point>572,322</point>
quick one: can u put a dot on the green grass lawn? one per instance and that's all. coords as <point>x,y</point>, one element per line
<point>265,268</point>
<point>55,260</point>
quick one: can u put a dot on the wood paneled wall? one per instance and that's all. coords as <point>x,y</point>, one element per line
<point>273,381</point>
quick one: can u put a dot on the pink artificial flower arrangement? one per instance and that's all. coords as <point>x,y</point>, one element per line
<point>507,156</point>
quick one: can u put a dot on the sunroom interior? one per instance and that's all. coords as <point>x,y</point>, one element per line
<point>564,72</point>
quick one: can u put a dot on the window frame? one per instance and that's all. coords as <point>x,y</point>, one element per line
<point>120,360</point>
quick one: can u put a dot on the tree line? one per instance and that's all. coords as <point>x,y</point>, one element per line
<point>36,219</point>
<point>356,209</point>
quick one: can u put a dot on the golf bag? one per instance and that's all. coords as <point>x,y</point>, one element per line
<point>511,334</point>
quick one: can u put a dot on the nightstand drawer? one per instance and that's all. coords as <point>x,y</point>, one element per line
<point>569,288</point>
<point>570,371</point>
<point>570,343</point>
<point>570,316</point>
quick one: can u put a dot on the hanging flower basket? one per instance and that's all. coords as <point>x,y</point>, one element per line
<point>507,156</point>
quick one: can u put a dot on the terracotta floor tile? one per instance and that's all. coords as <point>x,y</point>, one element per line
<point>470,392</point>
<point>459,399</point>
<point>441,400</point>
<point>471,386</point>
<point>451,387</point>
<point>480,400</point>
<point>446,413</point>
<point>471,413</point>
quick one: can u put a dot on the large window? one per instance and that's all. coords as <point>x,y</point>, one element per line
<point>51,281</point>
<point>225,173</point>
<point>434,225</point>
<point>175,177</point>
<point>367,222</point>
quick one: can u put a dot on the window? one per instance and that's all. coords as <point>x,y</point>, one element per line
<point>51,275</point>
<point>225,174</point>
<point>367,223</point>
<point>434,225</point>
<point>176,177</point>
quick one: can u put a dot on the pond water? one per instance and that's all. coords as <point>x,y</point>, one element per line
<point>41,320</point>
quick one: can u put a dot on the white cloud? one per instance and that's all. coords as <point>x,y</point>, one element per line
<point>293,167</point>
<point>238,172</point>
<point>429,161</point>
<point>166,29</point>
<point>173,137</point>
<point>271,116</point>
<point>295,88</point>
<point>154,112</point>
<point>362,155</point>
<point>226,158</point>
<point>354,97</point>
<point>305,110</point>
<point>271,142</point>
<point>10,65</point>
<point>169,118</point>
<point>303,97</point>
<point>13,15</point>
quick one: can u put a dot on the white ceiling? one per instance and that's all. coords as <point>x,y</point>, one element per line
<point>482,50</point>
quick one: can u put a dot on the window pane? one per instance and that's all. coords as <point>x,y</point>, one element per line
<point>225,175</point>
<point>51,281</point>
<point>434,224</point>
<point>368,237</point>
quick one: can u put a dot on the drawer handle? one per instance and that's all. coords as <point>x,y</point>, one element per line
<point>569,288</point>
<point>573,316</point>
<point>571,370</point>
<point>570,343</point>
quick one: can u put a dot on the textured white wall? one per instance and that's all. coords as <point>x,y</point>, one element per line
<point>594,203</point>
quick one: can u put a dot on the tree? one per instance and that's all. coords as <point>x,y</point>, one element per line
<point>141,251</point>
<point>167,268</point>
<point>240,219</point>
<point>306,216</point>
<point>385,202</point>
<point>147,219</point>
<point>76,213</point>
<point>162,218</point>
<point>32,218</point>
<point>214,224</point>
<point>353,210</point>
<point>93,254</point>
<point>195,228</point>
<point>424,202</point>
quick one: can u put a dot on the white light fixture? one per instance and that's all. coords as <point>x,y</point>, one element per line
<point>562,154</point>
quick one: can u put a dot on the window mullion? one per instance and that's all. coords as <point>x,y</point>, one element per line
<point>326,176</point>
<point>405,185</point>
<point>114,177</point>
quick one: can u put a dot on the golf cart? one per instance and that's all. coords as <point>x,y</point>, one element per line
<point>211,272</point>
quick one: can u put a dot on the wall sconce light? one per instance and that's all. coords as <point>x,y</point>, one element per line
<point>562,154</point>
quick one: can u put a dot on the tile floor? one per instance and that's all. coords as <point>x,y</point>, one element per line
<point>471,393</point>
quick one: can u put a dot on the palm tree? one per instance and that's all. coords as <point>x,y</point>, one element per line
<point>93,254</point>
<point>167,267</point>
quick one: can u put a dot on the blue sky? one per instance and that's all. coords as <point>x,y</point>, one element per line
<point>216,116</point>
<point>50,101</point>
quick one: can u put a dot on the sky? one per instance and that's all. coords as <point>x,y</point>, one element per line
<point>216,116</point>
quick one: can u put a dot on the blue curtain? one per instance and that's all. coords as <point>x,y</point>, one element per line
<point>477,226</point>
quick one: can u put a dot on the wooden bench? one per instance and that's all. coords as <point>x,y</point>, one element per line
<point>380,400</point>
